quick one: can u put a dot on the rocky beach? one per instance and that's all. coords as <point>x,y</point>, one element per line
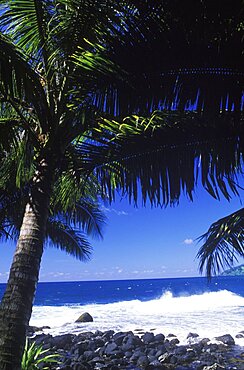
<point>182,324</point>
<point>141,350</point>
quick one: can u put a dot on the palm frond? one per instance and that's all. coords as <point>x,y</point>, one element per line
<point>20,85</point>
<point>185,70</point>
<point>67,239</point>
<point>223,244</point>
<point>26,22</point>
<point>9,128</point>
<point>165,156</point>
<point>88,217</point>
<point>17,166</point>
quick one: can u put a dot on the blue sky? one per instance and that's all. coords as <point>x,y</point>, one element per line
<point>138,243</point>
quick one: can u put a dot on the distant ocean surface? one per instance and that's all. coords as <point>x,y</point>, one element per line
<point>178,306</point>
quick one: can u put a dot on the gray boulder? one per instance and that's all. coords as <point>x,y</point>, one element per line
<point>143,361</point>
<point>192,335</point>
<point>148,337</point>
<point>239,336</point>
<point>85,317</point>
<point>226,339</point>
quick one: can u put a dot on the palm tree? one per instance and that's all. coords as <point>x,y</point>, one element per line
<point>73,215</point>
<point>85,84</point>
<point>67,231</point>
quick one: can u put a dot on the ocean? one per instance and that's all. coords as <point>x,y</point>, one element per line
<point>169,306</point>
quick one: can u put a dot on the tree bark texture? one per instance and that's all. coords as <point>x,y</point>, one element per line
<point>16,305</point>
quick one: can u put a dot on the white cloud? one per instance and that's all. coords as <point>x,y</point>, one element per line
<point>118,269</point>
<point>188,241</point>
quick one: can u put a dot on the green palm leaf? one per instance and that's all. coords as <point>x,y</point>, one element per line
<point>68,239</point>
<point>223,243</point>
<point>20,84</point>
<point>164,156</point>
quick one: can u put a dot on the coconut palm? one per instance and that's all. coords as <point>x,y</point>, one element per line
<point>85,85</point>
<point>66,231</point>
<point>73,215</point>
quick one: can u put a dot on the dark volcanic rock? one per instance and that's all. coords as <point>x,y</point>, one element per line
<point>85,317</point>
<point>33,329</point>
<point>62,341</point>
<point>239,335</point>
<point>148,337</point>
<point>110,348</point>
<point>126,350</point>
<point>159,338</point>
<point>143,361</point>
<point>118,338</point>
<point>226,339</point>
<point>192,335</point>
<point>170,335</point>
<point>214,367</point>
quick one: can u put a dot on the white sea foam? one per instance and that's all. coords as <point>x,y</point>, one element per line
<point>208,314</point>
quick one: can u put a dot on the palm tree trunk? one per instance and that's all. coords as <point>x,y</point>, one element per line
<point>16,305</point>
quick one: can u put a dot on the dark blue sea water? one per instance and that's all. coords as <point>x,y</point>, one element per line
<point>126,290</point>
<point>176,306</point>
<point>88,292</point>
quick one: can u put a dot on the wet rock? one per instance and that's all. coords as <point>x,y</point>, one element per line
<point>118,338</point>
<point>108,334</point>
<point>192,335</point>
<point>214,367</point>
<point>143,361</point>
<point>226,339</point>
<point>85,317</point>
<point>188,356</point>
<point>79,367</point>
<point>107,351</point>
<point>204,341</point>
<point>88,355</point>
<point>138,353</point>
<point>98,342</point>
<point>97,360</point>
<point>160,351</point>
<point>159,338</point>
<point>148,337</point>
<point>110,348</point>
<point>43,339</point>
<point>165,357</point>
<point>239,335</point>
<point>62,341</point>
<point>130,342</point>
<point>174,341</point>
<point>155,363</point>
<point>181,350</point>
<point>33,329</point>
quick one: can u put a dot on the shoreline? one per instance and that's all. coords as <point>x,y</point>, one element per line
<point>142,350</point>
